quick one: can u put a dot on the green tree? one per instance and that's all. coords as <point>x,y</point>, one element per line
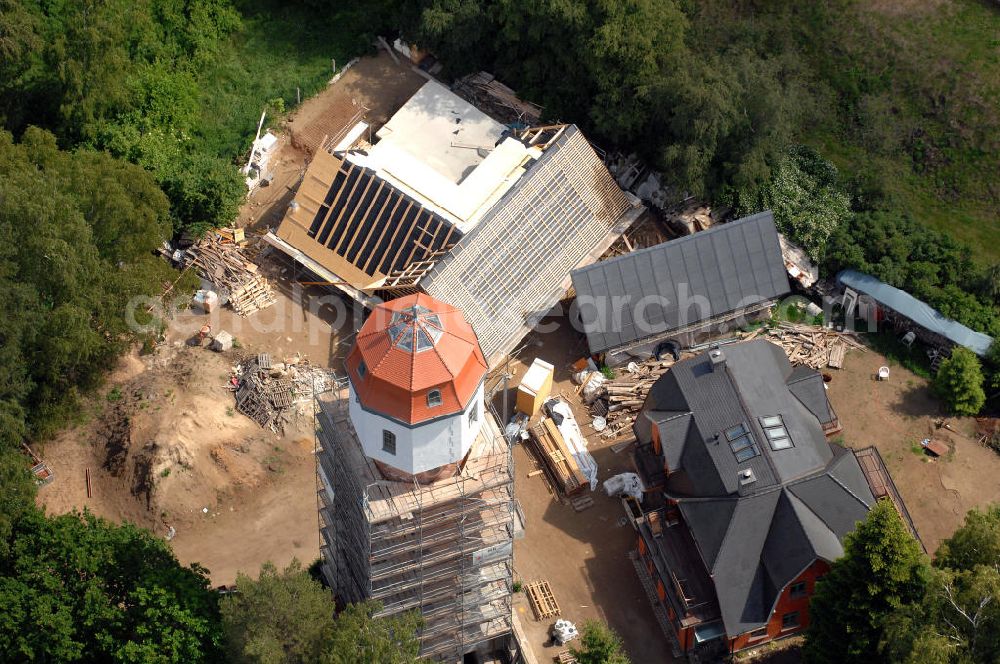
<point>881,570</point>
<point>976,543</point>
<point>959,382</point>
<point>599,644</point>
<point>282,616</point>
<point>76,588</point>
<point>287,616</point>
<point>805,195</point>
<point>958,619</point>
<point>78,230</point>
<point>360,638</point>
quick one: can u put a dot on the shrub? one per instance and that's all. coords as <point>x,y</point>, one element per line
<point>959,382</point>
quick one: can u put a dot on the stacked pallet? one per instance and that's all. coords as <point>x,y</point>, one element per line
<point>556,456</point>
<point>225,266</point>
<point>262,394</point>
<point>812,346</point>
<point>543,602</point>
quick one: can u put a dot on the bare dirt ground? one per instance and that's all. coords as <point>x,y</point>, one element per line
<point>166,443</point>
<point>894,416</point>
<point>375,83</point>
<point>583,555</point>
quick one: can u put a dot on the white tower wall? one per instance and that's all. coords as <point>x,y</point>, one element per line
<point>421,447</point>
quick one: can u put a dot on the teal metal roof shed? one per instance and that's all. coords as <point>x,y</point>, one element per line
<point>919,312</point>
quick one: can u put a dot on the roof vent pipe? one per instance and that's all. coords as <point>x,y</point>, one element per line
<point>717,358</point>
<point>747,480</point>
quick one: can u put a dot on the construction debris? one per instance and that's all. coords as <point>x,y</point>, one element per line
<point>264,392</point>
<point>486,93</point>
<point>43,474</point>
<point>648,231</point>
<point>224,264</point>
<point>620,399</point>
<point>812,346</point>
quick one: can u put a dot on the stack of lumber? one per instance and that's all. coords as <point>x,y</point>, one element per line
<point>624,395</point>
<point>557,457</point>
<point>225,266</point>
<point>812,346</point>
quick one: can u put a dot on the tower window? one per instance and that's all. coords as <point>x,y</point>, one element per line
<point>362,369</point>
<point>433,398</point>
<point>388,442</point>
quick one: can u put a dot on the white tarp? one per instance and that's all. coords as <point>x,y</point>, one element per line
<point>574,439</point>
<point>625,484</point>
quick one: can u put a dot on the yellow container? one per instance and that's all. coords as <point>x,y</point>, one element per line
<point>535,387</point>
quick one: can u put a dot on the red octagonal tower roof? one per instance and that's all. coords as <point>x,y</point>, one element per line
<point>407,349</point>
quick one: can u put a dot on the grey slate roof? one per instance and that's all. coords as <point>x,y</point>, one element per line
<point>805,499</point>
<point>649,292</point>
<point>511,267</point>
<point>919,312</point>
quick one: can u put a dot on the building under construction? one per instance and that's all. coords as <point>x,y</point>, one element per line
<point>416,482</point>
<point>450,202</point>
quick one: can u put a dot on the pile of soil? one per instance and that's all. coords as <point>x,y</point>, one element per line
<point>168,439</point>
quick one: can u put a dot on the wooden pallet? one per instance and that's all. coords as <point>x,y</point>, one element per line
<point>581,503</point>
<point>543,603</point>
<point>566,657</point>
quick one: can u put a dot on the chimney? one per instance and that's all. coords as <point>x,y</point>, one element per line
<point>717,358</point>
<point>747,480</point>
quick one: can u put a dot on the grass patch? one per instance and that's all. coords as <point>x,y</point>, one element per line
<point>916,93</point>
<point>114,394</point>
<point>279,48</point>
<point>913,359</point>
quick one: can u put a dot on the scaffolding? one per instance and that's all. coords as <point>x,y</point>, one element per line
<point>444,548</point>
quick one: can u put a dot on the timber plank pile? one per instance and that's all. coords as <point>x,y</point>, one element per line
<point>553,452</point>
<point>624,395</point>
<point>225,266</point>
<point>812,346</point>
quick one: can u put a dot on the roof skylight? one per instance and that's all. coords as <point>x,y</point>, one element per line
<point>741,442</point>
<point>777,434</point>
<point>415,329</point>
